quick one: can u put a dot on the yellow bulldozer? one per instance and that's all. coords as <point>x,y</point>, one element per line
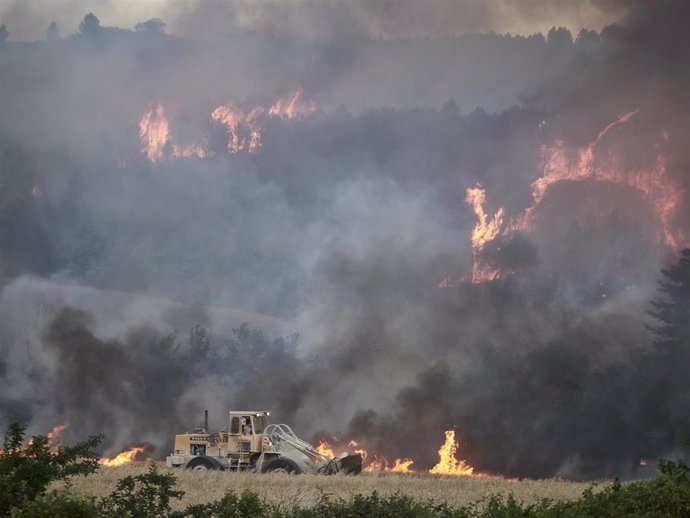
<point>250,443</point>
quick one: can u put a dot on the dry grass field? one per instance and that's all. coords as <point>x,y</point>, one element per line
<point>305,490</point>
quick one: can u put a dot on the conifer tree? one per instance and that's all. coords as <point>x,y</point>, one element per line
<point>672,310</point>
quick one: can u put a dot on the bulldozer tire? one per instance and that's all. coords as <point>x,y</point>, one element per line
<point>284,465</point>
<point>203,464</point>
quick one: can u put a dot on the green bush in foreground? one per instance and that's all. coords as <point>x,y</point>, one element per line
<point>373,505</point>
<point>25,472</point>
<point>57,504</point>
<point>231,506</point>
<point>144,496</point>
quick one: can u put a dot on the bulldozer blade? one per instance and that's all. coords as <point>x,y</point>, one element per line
<point>351,464</point>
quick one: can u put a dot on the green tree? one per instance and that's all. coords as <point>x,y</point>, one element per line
<point>199,342</point>
<point>153,26</point>
<point>672,310</point>
<point>52,33</point>
<point>26,470</point>
<point>90,24</point>
<point>249,347</point>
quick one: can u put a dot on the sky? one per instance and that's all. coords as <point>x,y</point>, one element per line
<point>28,20</point>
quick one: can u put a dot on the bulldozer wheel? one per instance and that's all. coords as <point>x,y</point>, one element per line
<point>284,465</point>
<point>202,464</point>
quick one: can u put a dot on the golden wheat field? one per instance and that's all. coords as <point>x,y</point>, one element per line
<point>305,490</point>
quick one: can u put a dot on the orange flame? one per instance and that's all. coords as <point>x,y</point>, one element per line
<point>292,106</point>
<point>653,181</point>
<point>401,466</point>
<point>243,129</point>
<point>376,464</point>
<point>124,457</point>
<point>485,230</point>
<point>446,282</point>
<point>156,142</point>
<point>55,437</point>
<point>448,464</point>
<point>363,453</point>
<point>325,449</point>
<point>588,164</point>
<point>382,464</point>
<point>154,133</point>
<point>188,151</point>
<point>557,167</point>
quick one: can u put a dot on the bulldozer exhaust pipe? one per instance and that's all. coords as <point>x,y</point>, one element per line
<point>205,421</point>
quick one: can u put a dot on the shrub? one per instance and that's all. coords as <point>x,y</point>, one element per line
<point>361,506</point>
<point>143,496</point>
<point>661,497</point>
<point>57,504</point>
<point>247,505</point>
<point>27,470</point>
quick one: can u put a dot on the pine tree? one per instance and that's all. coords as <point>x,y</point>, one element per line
<point>672,309</point>
<point>90,25</point>
<point>52,33</point>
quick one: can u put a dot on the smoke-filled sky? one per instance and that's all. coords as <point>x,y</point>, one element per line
<point>379,18</point>
<point>425,224</point>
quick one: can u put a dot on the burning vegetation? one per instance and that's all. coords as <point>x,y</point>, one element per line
<point>602,160</point>
<point>55,440</point>
<point>448,462</point>
<point>124,457</point>
<point>241,130</point>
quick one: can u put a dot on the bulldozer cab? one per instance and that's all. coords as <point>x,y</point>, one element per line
<point>245,431</point>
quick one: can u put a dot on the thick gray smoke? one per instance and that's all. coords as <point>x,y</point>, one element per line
<point>318,19</point>
<point>343,240</point>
